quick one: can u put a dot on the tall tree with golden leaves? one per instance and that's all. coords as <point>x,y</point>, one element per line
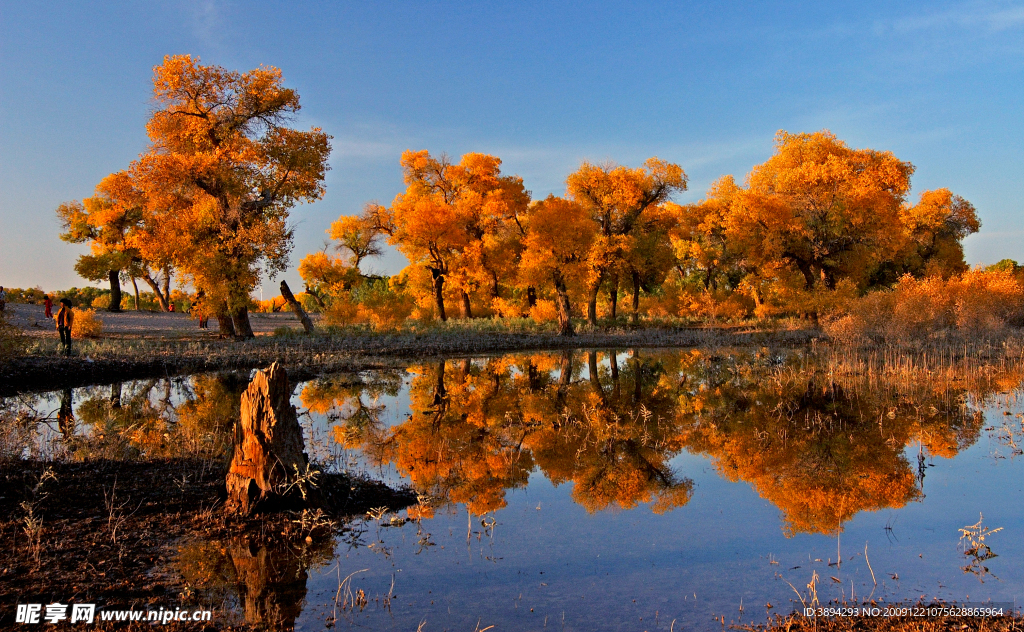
<point>444,217</point>
<point>618,198</point>
<point>824,209</point>
<point>560,236</point>
<point>115,223</point>
<point>222,173</point>
<point>935,228</point>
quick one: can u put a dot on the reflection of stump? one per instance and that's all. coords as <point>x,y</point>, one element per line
<point>271,585</point>
<point>269,461</point>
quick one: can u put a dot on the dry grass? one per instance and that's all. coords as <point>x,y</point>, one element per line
<point>976,305</point>
<point>12,341</point>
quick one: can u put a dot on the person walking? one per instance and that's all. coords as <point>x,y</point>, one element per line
<point>65,320</point>
<point>3,299</point>
<point>48,305</point>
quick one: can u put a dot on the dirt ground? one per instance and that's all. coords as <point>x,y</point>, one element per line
<point>31,319</point>
<point>115,533</point>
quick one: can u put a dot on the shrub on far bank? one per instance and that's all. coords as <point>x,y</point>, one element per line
<point>32,295</point>
<point>86,324</point>
<point>978,303</point>
<point>384,306</point>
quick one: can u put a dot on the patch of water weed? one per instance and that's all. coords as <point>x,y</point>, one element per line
<point>975,550</point>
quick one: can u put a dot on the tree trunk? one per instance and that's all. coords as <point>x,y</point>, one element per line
<point>114,276</point>
<point>565,370</point>
<point>495,290</point>
<point>533,377</point>
<point>438,281</point>
<point>635,317</point>
<point>467,310</point>
<point>138,305</point>
<point>66,414</point>
<point>440,392</point>
<point>805,269</point>
<point>269,469</point>
<point>151,282</point>
<point>226,327</point>
<point>240,319</point>
<point>166,302</point>
<point>613,363</point>
<point>564,307</point>
<point>613,299</point>
<point>286,292</point>
<point>595,378</point>
<point>316,296</point>
<point>592,301</point>
<point>239,308</point>
<point>531,296</point>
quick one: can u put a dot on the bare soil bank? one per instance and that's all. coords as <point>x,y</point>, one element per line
<point>109,532</point>
<point>110,360</point>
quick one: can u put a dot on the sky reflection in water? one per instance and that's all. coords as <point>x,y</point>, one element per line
<point>579,492</point>
<point>750,509</point>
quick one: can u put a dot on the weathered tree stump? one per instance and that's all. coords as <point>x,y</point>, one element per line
<point>269,470</point>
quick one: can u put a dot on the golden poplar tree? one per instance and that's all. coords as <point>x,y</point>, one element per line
<point>446,219</point>
<point>116,224</point>
<point>560,236</point>
<point>223,171</point>
<point>821,208</point>
<point>619,199</point>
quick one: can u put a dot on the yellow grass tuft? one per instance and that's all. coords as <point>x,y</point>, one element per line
<point>86,324</point>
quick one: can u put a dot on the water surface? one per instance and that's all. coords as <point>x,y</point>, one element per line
<point>597,490</point>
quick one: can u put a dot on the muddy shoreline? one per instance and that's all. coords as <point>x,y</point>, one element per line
<point>112,532</point>
<point>114,359</point>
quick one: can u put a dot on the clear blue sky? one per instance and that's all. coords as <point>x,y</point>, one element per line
<point>543,85</point>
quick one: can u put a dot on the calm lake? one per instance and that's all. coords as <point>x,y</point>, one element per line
<point>632,490</point>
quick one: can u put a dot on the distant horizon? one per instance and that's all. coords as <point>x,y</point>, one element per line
<point>541,86</point>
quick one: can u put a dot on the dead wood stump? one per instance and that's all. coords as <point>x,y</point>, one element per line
<point>269,470</point>
<point>307,324</point>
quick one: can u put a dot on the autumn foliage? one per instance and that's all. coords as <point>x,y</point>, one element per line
<point>816,229</point>
<point>211,195</point>
<point>822,438</point>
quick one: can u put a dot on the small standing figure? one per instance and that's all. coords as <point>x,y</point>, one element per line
<point>65,320</point>
<point>3,299</point>
<point>48,305</point>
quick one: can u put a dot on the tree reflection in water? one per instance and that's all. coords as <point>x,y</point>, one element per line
<point>820,439</point>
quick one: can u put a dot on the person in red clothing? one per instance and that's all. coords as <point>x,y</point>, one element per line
<point>48,304</point>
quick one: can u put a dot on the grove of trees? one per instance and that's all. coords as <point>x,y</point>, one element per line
<point>207,205</point>
<point>817,223</point>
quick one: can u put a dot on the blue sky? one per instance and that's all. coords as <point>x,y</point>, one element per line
<point>543,85</point>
